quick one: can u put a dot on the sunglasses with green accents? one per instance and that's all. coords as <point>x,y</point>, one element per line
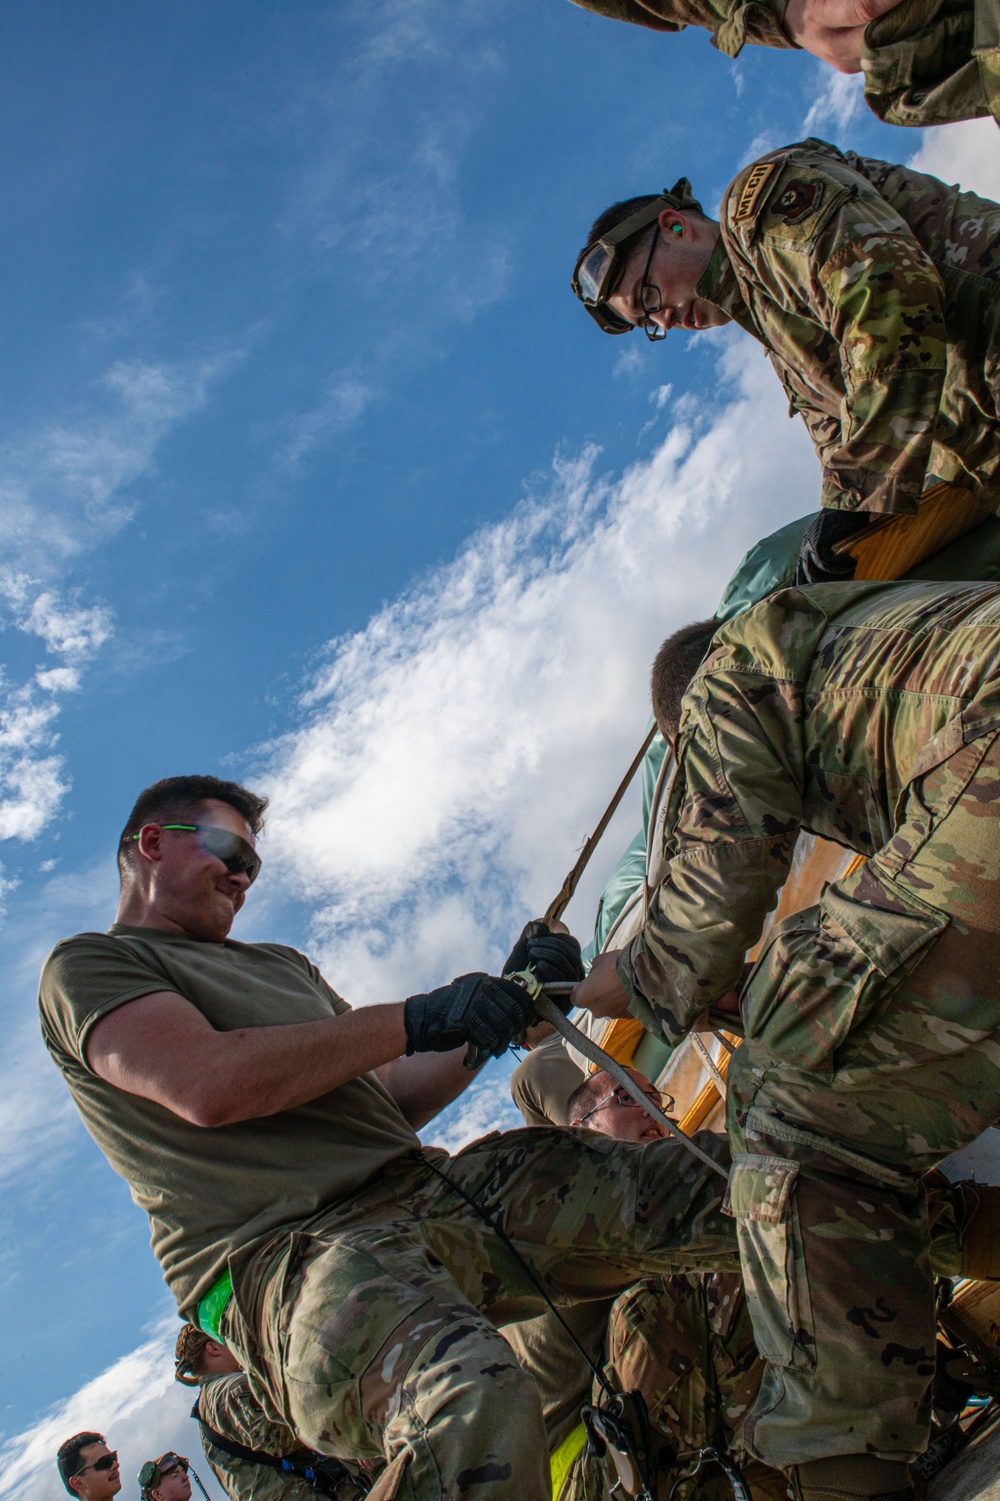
<point>236,853</point>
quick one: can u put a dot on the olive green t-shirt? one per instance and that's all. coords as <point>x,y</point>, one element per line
<point>210,1190</point>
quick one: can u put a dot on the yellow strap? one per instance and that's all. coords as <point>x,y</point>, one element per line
<point>562,1460</point>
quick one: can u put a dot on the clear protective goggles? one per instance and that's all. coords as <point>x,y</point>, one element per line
<point>601,264</point>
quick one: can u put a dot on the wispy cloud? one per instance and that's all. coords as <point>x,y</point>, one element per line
<point>840,100</point>
<point>66,485</point>
<point>453,753</point>
<point>966,154</point>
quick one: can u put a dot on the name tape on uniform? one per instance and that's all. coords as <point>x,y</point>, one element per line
<point>752,189</point>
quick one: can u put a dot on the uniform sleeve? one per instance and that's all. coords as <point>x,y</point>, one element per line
<point>733,23</point>
<point>735,811</point>
<point>928,63</point>
<point>82,980</point>
<point>867,282</point>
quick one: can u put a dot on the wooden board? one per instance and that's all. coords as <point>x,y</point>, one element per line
<point>891,547</point>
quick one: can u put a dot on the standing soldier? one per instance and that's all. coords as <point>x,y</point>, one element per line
<point>868,714</point>
<point>926,62</point>
<point>875,291</point>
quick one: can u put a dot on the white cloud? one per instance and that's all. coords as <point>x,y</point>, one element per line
<point>136,1403</point>
<point>63,483</point>
<point>345,401</point>
<point>454,753</point>
<point>967,154</point>
<point>839,102</point>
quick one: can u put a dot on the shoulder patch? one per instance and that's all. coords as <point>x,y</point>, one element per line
<point>752,189</point>
<point>798,199</point>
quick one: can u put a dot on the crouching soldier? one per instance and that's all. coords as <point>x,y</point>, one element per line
<point>868,714</point>
<point>875,291</point>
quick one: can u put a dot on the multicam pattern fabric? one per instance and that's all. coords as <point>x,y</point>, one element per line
<point>876,291</point>
<point>926,62</point>
<point>372,1330</point>
<point>869,713</point>
<point>813,710</point>
<point>227,1405</point>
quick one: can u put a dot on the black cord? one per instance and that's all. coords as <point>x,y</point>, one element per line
<point>485,1215</point>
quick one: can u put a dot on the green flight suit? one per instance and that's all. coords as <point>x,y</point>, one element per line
<point>926,62</point>
<point>869,714</point>
<point>876,292</point>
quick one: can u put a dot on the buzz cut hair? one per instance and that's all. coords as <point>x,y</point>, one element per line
<point>579,1101</point>
<point>676,663</point>
<point>617,214</point>
<point>68,1455</point>
<point>181,800</point>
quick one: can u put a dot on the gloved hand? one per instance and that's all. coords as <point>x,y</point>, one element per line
<point>551,956</point>
<point>818,563</point>
<point>480,1009</point>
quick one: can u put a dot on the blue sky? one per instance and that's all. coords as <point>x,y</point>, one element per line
<point>313,473</point>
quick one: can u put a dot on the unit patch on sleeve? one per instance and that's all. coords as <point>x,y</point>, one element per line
<point>752,189</point>
<point>798,199</point>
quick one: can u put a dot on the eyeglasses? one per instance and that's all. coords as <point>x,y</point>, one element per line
<point>600,266</point>
<point>155,1469</point>
<point>621,1096</point>
<point>236,853</point>
<point>106,1462</point>
<point>649,296</point>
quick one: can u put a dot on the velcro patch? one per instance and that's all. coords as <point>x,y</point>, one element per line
<point>798,199</point>
<point>752,189</point>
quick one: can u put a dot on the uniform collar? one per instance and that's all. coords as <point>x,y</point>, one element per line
<point>718,284</point>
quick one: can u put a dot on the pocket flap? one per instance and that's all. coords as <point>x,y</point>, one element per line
<point>887,938</point>
<point>760,1187</point>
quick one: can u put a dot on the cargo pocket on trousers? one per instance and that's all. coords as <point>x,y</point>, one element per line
<point>762,1200</point>
<point>825,970</point>
<point>347,1308</point>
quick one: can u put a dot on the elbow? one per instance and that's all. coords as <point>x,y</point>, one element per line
<point>209,1106</point>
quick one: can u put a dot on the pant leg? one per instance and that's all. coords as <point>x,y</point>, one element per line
<point>873,1052</point>
<point>366,1344</point>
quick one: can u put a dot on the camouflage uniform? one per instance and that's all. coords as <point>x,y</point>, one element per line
<point>227,1405</point>
<point>876,292</point>
<point>925,63</point>
<point>370,1330</point>
<point>868,714</point>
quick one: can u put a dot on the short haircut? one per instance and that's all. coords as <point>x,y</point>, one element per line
<point>677,662</point>
<point>579,1101</point>
<point>68,1455</point>
<point>180,800</point>
<point>617,214</point>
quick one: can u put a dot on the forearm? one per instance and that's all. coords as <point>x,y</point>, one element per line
<point>161,1048</point>
<point>886,312</point>
<point>703,918</point>
<point>426,1083</point>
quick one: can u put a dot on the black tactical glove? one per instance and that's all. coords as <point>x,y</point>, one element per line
<point>479,1009</point>
<point>550,956</point>
<point>818,563</point>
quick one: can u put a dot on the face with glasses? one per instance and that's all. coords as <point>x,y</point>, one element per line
<point>657,290</point>
<point>97,1476</point>
<point>195,875</point>
<point>610,1109</point>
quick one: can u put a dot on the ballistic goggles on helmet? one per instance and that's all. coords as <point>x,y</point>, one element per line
<point>154,1470</point>
<point>600,265</point>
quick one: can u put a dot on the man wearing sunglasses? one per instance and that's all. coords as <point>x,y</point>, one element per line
<point>89,1469</point>
<point>924,64</point>
<point>269,1131</point>
<point>875,291</point>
